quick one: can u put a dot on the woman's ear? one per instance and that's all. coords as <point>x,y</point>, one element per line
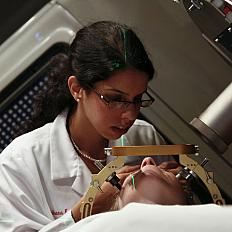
<point>75,88</point>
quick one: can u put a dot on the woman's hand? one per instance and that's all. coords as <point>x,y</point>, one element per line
<point>126,170</point>
<point>104,200</point>
<point>171,166</point>
<point>175,168</point>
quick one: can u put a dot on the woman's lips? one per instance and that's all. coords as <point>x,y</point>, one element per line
<point>120,130</point>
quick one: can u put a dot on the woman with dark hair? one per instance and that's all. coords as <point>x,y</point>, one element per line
<point>92,102</point>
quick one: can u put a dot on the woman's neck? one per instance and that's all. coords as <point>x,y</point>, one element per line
<point>85,135</point>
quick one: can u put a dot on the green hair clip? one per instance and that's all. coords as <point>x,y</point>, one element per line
<point>124,41</point>
<point>116,65</point>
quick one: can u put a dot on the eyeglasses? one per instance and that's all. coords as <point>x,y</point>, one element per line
<point>145,101</point>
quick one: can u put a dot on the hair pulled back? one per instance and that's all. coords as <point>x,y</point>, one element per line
<point>97,51</point>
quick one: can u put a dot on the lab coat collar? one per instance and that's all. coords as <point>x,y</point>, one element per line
<point>66,166</point>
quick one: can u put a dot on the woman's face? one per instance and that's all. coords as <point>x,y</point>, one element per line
<point>109,122</point>
<point>151,185</point>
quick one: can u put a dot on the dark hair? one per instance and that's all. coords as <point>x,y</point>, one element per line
<point>97,51</point>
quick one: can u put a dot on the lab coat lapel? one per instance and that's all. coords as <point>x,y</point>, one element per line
<point>66,166</point>
<point>64,160</point>
<point>83,178</point>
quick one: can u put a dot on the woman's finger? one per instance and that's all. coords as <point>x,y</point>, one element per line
<point>128,169</point>
<point>169,165</point>
<point>125,171</point>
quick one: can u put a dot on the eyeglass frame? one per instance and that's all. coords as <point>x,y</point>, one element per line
<point>124,104</point>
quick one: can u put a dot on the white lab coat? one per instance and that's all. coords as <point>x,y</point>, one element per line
<point>42,177</point>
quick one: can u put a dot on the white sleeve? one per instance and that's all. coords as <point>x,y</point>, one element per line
<point>59,224</point>
<point>23,205</point>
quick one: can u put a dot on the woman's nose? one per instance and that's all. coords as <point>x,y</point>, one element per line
<point>131,113</point>
<point>148,161</point>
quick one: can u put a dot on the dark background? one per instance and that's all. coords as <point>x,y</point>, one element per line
<point>14,13</point>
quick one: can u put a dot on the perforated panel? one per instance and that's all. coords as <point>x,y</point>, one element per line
<point>19,110</point>
<point>16,100</point>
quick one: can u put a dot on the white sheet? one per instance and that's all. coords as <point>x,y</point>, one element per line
<point>137,217</point>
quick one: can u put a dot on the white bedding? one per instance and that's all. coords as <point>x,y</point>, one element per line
<point>137,217</point>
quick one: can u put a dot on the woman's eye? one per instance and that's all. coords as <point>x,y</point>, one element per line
<point>114,98</point>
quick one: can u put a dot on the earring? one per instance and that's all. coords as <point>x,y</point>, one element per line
<point>76,97</point>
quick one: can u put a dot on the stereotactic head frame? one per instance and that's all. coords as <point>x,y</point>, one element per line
<point>191,168</point>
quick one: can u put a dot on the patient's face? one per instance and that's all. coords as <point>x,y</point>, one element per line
<point>151,185</point>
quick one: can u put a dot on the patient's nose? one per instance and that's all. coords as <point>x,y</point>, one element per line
<point>148,161</point>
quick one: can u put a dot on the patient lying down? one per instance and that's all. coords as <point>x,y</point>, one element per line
<point>151,185</point>
<point>151,200</point>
